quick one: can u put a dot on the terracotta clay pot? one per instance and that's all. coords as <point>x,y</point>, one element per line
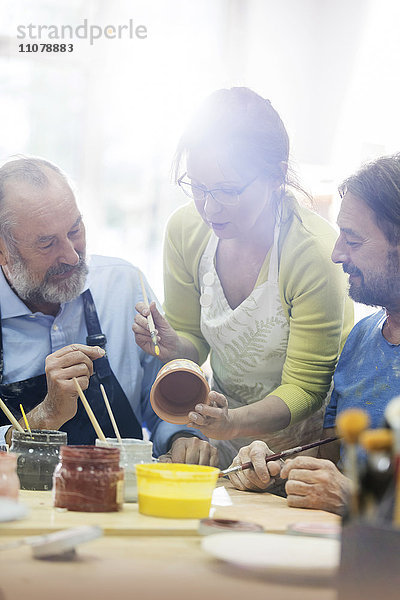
<point>180,385</point>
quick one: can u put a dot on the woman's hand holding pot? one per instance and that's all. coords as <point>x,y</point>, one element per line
<point>213,419</point>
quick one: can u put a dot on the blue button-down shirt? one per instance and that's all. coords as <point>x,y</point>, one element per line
<point>115,286</point>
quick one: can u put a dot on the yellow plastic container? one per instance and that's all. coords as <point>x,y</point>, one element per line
<point>175,490</point>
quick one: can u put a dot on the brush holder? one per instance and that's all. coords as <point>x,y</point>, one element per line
<point>369,564</point>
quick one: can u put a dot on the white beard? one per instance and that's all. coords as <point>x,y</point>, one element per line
<point>54,292</point>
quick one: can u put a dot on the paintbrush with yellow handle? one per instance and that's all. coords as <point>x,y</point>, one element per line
<point>25,419</point>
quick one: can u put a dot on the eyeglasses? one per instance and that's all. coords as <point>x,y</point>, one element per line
<point>224,197</point>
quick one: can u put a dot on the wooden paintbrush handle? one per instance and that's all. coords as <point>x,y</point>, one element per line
<point>279,455</point>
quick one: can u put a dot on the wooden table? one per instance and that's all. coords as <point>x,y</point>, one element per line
<point>145,557</point>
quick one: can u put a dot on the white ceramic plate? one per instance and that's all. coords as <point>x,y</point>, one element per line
<point>278,553</point>
<point>11,511</point>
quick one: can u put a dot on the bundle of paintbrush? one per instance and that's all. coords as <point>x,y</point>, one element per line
<point>370,540</point>
<point>392,416</point>
<point>372,463</point>
<point>380,483</point>
<point>350,424</point>
<point>377,472</point>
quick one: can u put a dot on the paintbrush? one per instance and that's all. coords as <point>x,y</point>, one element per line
<point>150,320</point>
<point>392,416</point>
<point>283,454</point>
<point>25,419</point>
<point>10,417</point>
<point>110,414</point>
<point>350,424</point>
<point>89,411</point>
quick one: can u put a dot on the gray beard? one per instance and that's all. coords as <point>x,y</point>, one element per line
<point>53,292</point>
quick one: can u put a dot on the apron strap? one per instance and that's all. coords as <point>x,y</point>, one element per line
<point>95,336</point>
<point>273,262</point>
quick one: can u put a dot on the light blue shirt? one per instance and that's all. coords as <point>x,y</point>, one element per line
<point>367,375</point>
<point>28,338</point>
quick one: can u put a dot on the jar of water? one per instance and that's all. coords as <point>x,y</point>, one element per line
<point>38,455</point>
<point>132,453</point>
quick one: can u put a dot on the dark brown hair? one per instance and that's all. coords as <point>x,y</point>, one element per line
<point>377,183</point>
<point>245,130</point>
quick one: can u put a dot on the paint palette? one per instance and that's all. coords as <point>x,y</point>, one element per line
<point>62,544</point>
<point>276,553</point>
<point>11,511</point>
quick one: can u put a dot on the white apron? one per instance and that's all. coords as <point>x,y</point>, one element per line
<point>248,349</point>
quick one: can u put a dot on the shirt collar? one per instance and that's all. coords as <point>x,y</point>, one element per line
<point>11,305</point>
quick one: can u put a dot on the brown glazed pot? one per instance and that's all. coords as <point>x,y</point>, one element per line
<point>180,385</point>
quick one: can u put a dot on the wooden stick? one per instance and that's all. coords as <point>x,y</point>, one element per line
<point>10,416</point>
<point>150,320</point>
<point>89,411</point>
<point>25,419</point>
<point>110,412</point>
<point>283,454</point>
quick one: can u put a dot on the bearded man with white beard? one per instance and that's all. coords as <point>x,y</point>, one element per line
<point>61,313</point>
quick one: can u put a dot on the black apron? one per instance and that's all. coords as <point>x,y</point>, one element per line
<point>31,392</point>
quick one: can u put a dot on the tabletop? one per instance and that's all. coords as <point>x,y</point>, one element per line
<point>151,557</point>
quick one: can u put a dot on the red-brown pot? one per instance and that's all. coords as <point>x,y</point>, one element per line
<point>180,385</point>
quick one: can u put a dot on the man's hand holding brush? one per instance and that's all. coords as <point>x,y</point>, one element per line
<point>310,482</point>
<point>262,475</point>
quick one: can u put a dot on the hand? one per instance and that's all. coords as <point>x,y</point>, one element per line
<point>213,419</point>
<point>262,475</point>
<point>75,360</point>
<point>315,483</point>
<point>191,451</point>
<point>167,338</point>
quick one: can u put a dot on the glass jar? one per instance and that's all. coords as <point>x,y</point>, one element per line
<point>9,482</point>
<point>38,455</point>
<point>132,453</point>
<point>88,479</point>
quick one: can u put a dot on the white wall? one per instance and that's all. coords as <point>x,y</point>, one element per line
<point>110,114</point>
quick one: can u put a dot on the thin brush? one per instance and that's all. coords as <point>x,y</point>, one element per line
<point>150,320</point>
<point>283,454</point>
<point>25,420</point>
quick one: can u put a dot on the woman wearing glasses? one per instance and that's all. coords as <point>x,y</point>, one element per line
<point>248,279</point>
